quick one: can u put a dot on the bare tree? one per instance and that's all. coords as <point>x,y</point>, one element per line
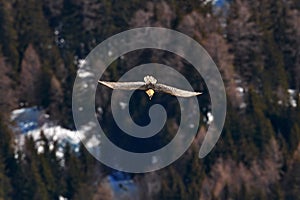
<point>29,76</point>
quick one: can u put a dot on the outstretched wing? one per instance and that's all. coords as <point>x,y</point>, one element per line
<point>124,85</point>
<point>175,91</point>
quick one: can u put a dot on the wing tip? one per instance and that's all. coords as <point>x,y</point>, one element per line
<point>102,82</point>
<point>195,94</point>
<point>105,83</point>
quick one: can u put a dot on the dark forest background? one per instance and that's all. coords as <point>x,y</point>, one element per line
<point>255,44</point>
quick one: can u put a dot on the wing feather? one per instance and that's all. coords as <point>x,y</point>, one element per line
<point>124,85</point>
<point>175,91</point>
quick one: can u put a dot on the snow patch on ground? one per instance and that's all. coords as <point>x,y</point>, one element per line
<point>31,122</point>
<point>122,185</point>
<point>292,97</point>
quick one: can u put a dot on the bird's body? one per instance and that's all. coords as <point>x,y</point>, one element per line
<point>150,86</point>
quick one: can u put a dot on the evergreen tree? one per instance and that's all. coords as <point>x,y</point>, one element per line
<point>48,167</point>
<point>35,187</point>
<point>72,173</point>
<point>193,176</point>
<point>39,183</point>
<point>8,35</point>
<point>72,29</point>
<point>294,138</point>
<point>263,128</point>
<point>292,180</point>
<point>172,186</point>
<point>5,184</point>
<point>32,26</point>
<point>8,165</point>
<point>244,37</point>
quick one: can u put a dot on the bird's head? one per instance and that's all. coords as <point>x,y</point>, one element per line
<point>150,80</point>
<point>150,93</point>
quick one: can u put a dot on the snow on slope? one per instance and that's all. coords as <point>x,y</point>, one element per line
<point>30,122</point>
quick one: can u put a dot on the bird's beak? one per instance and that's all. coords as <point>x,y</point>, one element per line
<point>150,93</point>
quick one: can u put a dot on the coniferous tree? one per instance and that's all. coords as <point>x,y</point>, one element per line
<point>31,26</point>
<point>244,37</point>
<point>5,184</point>
<point>172,186</point>
<point>47,169</point>
<point>8,35</point>
<point>263,128</point>
<point>194,176</point>
<point>36,188</point>
<point>292,180</point>
<point>294,138</point>
<point>73,173</point>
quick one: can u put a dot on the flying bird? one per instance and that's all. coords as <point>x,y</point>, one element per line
<point>150,86</point>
